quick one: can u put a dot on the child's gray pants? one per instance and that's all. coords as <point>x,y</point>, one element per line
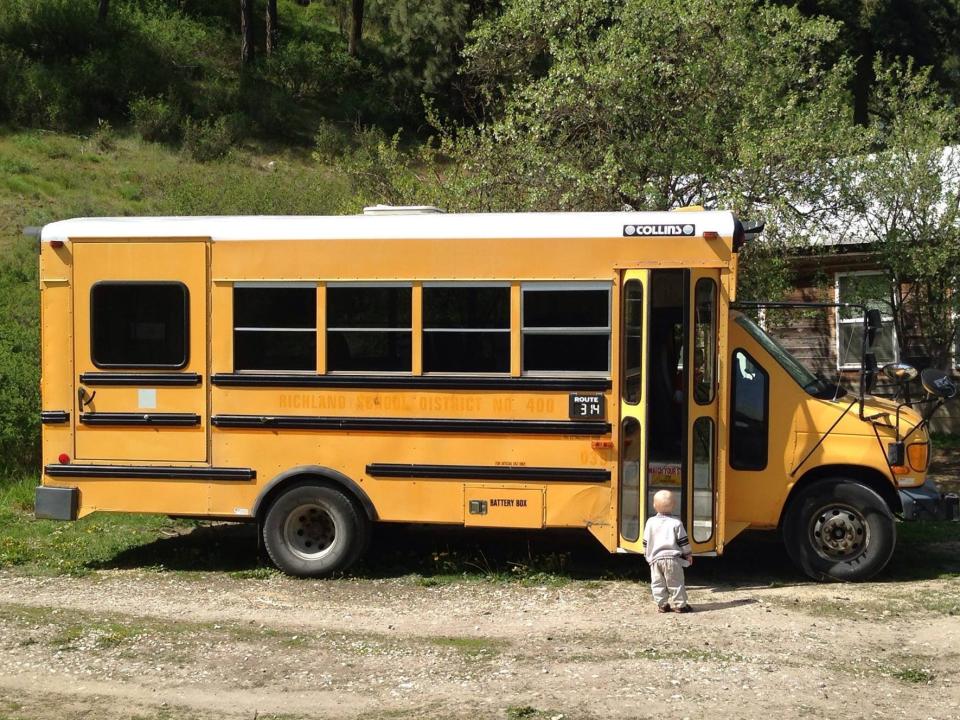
<point>666,581</point>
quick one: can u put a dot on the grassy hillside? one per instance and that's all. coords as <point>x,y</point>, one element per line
<point>47,176</point>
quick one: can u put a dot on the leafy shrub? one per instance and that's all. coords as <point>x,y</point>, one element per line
<point>155,119</point>
<point>60,68</point>
<point>329,142</point>
<point>207,140</point>
<point>35,95</point>
<point>104,138</point>
<point>290,189</point>
<point>19,368</point>
<point>314,69</point>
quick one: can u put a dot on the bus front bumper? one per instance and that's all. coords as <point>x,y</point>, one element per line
<point>928,503</point>
<point>56,503</point>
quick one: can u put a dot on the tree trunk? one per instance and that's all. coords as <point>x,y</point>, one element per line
<point>273,28</point>
<point>356,27</point>
<point>863,78</point>
<point>246,32</point>
<point>102,9</point>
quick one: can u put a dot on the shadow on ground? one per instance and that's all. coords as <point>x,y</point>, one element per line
<point>441,554</point>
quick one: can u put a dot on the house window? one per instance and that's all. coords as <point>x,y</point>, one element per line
<point>466,328</point>
<point>139,324</point>
<point>275,326</point>
<point>566,328</point>
<point>872,290</point>
<point>369,327</point>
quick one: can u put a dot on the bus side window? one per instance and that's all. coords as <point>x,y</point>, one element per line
<point>466,328</point>
<point>749,408</point>
<point>139,324</point>
<point>566,328</point>
<point>369,327</point>
<point>274,326</point>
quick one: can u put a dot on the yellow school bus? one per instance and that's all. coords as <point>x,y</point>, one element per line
<point>316,375</point>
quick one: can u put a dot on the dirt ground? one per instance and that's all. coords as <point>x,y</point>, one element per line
<point>164,644</point>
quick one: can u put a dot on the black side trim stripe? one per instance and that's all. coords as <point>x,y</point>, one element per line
<point>489,472</point>
<point>405,382</point>
<point>134,419</point>
<point>310,422</point>
<point>48,417</point>
<point>138,378</point>
<point>156,472</point>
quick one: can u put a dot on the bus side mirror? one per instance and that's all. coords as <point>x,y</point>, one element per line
<point>938,384</point>
<point>900,372</point>
<point>874,325</point>
<point>870,370</point>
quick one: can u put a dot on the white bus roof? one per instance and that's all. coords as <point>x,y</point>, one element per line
<point>395,227</point>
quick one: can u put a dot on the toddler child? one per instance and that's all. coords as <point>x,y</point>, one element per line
<point>667,549</point>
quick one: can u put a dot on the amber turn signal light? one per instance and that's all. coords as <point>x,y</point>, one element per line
<point>918,454</point>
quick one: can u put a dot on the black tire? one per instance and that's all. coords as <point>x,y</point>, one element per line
<point>839,530</point>
<point>314,530</point>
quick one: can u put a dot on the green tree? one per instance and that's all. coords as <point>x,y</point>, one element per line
<point>928,32</point>
<point>593,105</point>
<point>247,49</point>
<point>906,201</point>
<point>421,42</point>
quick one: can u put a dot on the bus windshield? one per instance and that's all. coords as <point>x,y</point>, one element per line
<point>814,384</point>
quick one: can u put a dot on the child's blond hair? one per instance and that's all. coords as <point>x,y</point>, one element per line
<point>663,501</point>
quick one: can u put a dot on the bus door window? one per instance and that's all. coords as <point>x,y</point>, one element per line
<point>704,341</point>
<point>667,385</point>
<point>703,444</point>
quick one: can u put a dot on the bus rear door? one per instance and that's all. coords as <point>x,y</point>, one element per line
<point>140,351</point>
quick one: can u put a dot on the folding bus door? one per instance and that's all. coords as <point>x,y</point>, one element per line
<point>702,403</point>
<point>634,293</point>
<point>140,351</point>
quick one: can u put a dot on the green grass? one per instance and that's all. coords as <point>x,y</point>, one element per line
<point>914,675</point>
<point>473,648</point>
<point>925,550</point>
<point>50,547</point>
<point>945,441</point>
<point>46,176</point>
<point>528,712</point>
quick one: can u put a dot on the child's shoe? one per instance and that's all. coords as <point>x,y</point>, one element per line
<point>663,608</point>
<point>683,609</point>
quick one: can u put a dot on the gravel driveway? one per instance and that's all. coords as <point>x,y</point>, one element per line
<point>122,643</point>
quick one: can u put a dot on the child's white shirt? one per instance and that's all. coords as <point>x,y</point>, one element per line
<point>665,537</point>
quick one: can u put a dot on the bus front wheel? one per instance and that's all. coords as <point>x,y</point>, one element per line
<point>314,531</point>
<point>839,530</point>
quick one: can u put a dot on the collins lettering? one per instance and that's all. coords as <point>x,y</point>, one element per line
<point>660,230</point>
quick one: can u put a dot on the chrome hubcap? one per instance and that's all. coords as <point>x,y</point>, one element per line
<point>839,533</point>
<point>310,531</point>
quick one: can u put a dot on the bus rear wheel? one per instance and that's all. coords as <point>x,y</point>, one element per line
<point>839,530</point>
<point>314,531</point>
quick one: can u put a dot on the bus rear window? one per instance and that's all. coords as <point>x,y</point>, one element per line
<point>139,324</point>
